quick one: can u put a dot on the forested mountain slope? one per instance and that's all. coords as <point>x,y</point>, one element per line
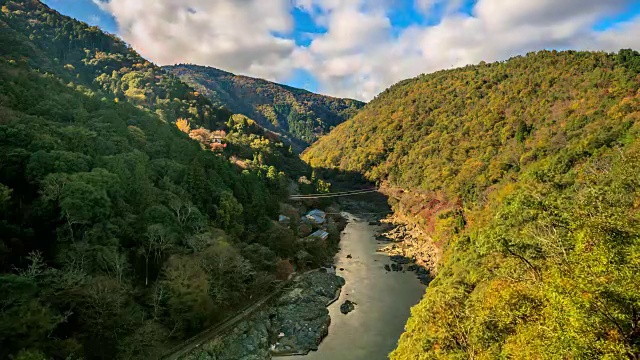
<point>299,114</point>
<point>84,54</point>
<point>120,235</point>
<point>526,175</point>
<point>56,44</point>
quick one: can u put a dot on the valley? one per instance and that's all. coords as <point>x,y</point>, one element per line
<point>488,211</point>
<point>383,298</point>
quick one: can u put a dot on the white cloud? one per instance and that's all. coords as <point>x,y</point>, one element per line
<point>236,35</point>
<point>505,14</point>
<point>361,54</point>
<point>495,30</point>
<point>624,35</point>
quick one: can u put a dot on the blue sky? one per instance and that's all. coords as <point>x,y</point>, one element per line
<point>631,11</point>
<point>85,10</point>
<point>355,48</point>
<point>402,15</point>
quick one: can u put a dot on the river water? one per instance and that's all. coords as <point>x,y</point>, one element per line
<point>383,300</point>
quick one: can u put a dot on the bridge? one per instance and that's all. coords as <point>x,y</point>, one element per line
<point>332,195</point>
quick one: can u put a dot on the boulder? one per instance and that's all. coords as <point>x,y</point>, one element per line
<point>347,307</point>
<point>399,259</point>
<point>425,280</point>
<point>301,312</point>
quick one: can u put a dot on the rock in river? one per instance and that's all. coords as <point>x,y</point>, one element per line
<point>347,307</point>
<point>296,323</point>
<point>302,313</point>
<point>399,259</point>
<point>248,340</point>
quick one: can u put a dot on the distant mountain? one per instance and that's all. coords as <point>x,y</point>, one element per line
<point>522,178</point>
<point>298,114</point>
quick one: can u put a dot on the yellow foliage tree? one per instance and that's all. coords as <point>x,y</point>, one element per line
<point>183,125</point>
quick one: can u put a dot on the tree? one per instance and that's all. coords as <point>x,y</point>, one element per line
<point>26,321</point>
<point>189,304</point>
<point>183,125</point>
<point>229,214</point>
<point>228,272</point>
<point>5,197</point>
<point>260,257</point>
<point>157,241</point>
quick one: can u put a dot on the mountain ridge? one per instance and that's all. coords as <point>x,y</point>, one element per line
<point>301,115</point>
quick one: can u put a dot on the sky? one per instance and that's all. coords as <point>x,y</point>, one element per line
<point>356,48</point>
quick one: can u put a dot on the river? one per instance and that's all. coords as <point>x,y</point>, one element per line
<point>383,300</point>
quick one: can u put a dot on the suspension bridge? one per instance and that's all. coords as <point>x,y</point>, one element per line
<point>332,195</point>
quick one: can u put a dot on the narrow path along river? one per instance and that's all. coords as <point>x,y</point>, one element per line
<point>383,300</point>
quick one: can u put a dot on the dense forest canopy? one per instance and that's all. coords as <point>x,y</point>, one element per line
<point>84,54</point>
<point>537,161</point>
<point>119,234</point>
<point>298,114</point>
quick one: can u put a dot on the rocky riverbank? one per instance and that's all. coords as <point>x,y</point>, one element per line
<point>408,242</point>
<point>301,315</point>
<point>295,324</point>
<point>406,251</point>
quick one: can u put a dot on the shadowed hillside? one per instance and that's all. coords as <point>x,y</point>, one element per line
<point>120,235</point>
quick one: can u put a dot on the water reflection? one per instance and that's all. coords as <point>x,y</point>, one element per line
<point>383,300</point>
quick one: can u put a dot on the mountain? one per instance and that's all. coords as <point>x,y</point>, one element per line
<point>121,236</point>
<point>299,114</point>
<point>84,54</point>
<point>524,178</point>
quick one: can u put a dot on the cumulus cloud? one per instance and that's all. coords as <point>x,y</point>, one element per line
<point>623,35</point>
<point>504,14</point>
<point>492,30</point>
<point>361,53</point>
<point>236,35</point>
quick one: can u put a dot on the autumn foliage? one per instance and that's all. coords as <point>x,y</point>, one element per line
<point>299,115</point>
<point>119,236</point>
<point>526,174</point>
<point>183,125</point>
